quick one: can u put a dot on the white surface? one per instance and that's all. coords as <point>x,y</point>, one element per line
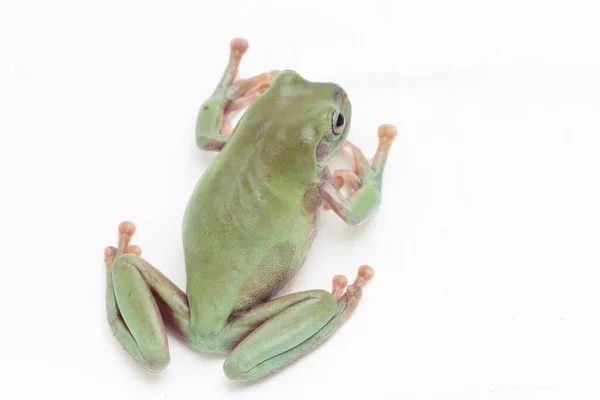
<point>485,247</point>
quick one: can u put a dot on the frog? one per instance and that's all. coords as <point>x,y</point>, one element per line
<point>248,227</point>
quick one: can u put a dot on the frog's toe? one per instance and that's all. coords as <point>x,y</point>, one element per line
<point>109,255</point>
<point>126,231</point>
<point>361,164</point>
<point>354,291</point>
<point>365,274</point>
<point>234,106</point>
<point>127,228</point>
<point>339,284</point>
<point>248,87</point>
<point>238,46</point>
<point>387,133</point>
<point>339,182</point>
<point>348,179</point>
<point>134,249</point>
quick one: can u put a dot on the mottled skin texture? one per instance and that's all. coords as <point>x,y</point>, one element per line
<point>248,227</point>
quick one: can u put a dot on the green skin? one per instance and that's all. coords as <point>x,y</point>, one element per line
<point>248,227</point>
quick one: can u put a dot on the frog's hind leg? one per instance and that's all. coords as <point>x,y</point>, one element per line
<point>232,95</point>
<point>138,296</point>
<point>282,330</point>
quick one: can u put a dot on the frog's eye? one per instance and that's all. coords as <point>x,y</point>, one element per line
<point>338,122</point>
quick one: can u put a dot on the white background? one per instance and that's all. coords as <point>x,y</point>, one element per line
<point>485,247</point>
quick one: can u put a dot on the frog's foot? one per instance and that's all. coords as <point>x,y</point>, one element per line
<point>241,92</point>
<point>351,180</point>
<point>110,253</point>
<point>374,166</point>
<point>231,96</point>
<point>354,291</point>
<point>126,231</point>
<point>362,183</point>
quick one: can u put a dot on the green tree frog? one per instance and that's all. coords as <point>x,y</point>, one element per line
<point>248,227</point>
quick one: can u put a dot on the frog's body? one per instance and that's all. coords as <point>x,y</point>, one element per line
<point>247,229</point>
<point>271,172</point>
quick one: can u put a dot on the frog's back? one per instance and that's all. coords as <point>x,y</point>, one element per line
<point>252,217</point>
<point>247,229</point>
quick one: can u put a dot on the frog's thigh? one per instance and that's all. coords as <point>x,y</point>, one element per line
<point>143,333</point>
<point>266,349</point>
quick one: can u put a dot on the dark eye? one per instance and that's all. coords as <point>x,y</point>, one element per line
<point>338,121</point>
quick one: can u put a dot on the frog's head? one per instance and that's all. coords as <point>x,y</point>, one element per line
<point>318,113</point>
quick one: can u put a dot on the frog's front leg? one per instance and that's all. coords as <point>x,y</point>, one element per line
<point>280,331</point>
<point>141,302</point>
<point>363,183</point>
<point>232,95</point>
